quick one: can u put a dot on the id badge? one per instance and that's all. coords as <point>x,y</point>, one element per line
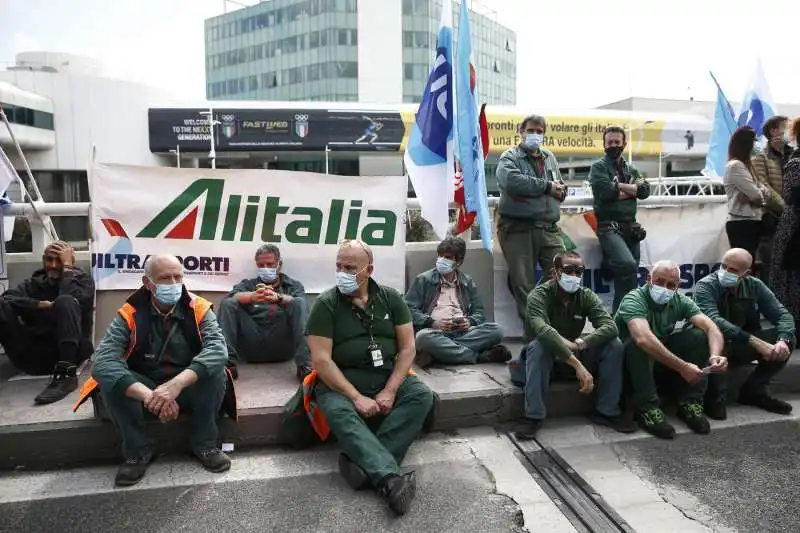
<point>376,355</point>
<point>149,356</point>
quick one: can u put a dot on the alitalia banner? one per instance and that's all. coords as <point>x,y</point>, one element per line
<point>214,220</point>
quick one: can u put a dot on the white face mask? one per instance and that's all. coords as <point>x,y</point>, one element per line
<point>660,295</point>
<point>570,284</point>
<point>533,140</point>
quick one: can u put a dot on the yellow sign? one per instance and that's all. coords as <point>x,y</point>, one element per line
<point>565,135</point>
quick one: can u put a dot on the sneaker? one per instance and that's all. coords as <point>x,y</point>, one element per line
<point>303,371</point>
<point>695,417</point>
<point>654,422</point>
<point>214,460</point>
<point>424,359</point>
<point>618,423</point>
<point>399,491</point>
<point>63,381</point>
<point>527,428</point>
<point>352,473</point>
<point>716,409</point>
<point>495,354</point>
<point>767,403</point>
<point>132,471</point>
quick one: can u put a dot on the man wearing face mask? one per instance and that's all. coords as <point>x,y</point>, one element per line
<point>264,318</point>
<point>648,320</point>
<point>557,313</point>
<point>448,315</point>
<point>616,188</point>
<point>735,301</point>
<point>531,192</point>
<point>362,346</point>
<point>46,322</point>
<point>163,353</point>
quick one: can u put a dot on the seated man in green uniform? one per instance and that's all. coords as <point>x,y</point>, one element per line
<point>264,318</point>
<point>163,353</point>
<point>649,322</point>
<point>735,301</point>
<point>448,314</point>
<point>362,348</point>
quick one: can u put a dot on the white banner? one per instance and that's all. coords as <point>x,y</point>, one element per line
<point>692,236</point>
<point>214,220</point>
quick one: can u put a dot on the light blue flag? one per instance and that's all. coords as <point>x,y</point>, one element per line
<point>429,156</point>
<point>757,106</point>
<point>468,137</point>
<point>724,126</point>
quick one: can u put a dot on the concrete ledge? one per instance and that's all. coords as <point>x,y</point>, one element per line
<point>52,436</point>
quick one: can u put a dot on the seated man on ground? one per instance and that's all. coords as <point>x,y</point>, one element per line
<point>163,353</point>
<point>557,313</point>
<point>264,318</point>
<point>46,322</point>
<point>362,346</point>
<point>648,320</point>
<point>735,301</point>
<point>448,314</point>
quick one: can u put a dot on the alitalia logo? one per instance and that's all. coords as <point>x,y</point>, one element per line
<point>246,218</point>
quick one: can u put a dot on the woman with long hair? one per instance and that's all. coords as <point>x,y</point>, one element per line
<point>745,195</point>
<point>785,269</point>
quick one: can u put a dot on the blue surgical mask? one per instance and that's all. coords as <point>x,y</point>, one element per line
<point>347,283</point>
<point>570,284</point>
<point>268,275</point>
<point>168,293</point>
<point>661,295</point>
<point>445,266</point>
<point>533,140</point>
<point>727,279</point>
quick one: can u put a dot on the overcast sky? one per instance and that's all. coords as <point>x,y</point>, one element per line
<point>571,53</point>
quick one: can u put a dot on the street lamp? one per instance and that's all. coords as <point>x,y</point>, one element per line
<point>211,123</point>
<point>631,129</point>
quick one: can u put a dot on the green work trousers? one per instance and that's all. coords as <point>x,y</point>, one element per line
<point>523,249</point>
<point>741,354</point>
<point>621,258</point>
<point>461,347</point>
<point>691,345</point>
<point>378,453</point>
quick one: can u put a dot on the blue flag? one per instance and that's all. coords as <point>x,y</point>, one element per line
<point>724,126</point>
<point>429,157</point>
<point>468,137</point>
<point>757,106</point>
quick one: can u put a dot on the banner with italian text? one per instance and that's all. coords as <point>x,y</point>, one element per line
<point>214,220</point>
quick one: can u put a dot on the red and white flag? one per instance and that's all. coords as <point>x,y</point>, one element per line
<point>465,220</point>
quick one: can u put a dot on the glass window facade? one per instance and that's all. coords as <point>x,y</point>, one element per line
<point>284,50</point>
<point>28,117</point>
<point>494,52</point>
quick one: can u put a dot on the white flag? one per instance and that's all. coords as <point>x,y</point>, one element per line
<point>7,173</point>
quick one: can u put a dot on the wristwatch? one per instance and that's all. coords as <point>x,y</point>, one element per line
<point>580,344</point>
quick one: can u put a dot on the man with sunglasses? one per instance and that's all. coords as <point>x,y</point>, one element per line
<point>46,322</point>
<point>557,313</point>
<point>653,325</point>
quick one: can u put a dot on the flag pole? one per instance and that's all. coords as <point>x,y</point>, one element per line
<point>48,225</point>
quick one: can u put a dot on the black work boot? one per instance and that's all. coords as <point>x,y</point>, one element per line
<point>654,422</point>
<point>132,470</point>
<point>495,354</point>
<point>527,428</point>
<point>424,359</point>
<point>352,473</point>
<point>767,403</point>
<point>618,423</point>
<point>63,381</point>
<point>399,491</point>
<point>695,417</point>
<point>214,460</point>
<point>716,409</point>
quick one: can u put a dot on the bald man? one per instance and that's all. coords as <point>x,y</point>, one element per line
<point>362,347</point>
<point>652,322</point>
<point>735,301</point>
<point>46,322</point>
<point>163,353</point>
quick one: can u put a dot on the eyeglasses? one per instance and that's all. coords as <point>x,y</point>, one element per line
<point>573,270</point>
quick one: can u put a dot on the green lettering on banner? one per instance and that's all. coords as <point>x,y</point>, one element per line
<point>387,228</point>
<point>305,231</point>
<point>272,210</point>
<point>211,188</point>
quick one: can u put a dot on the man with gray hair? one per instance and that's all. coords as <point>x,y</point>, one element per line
<point>264,318</point>
<point>531,192</point>
<point>163,353</point>
<point>652,323</point>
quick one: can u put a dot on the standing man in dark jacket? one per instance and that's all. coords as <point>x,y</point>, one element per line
<point>531,192</point>
<point>616,187</point>
<point>264,318</point>
<point>46,322</point>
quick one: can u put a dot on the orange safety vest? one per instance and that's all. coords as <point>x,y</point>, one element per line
<point>199,307</point>
<point>315,415</point>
